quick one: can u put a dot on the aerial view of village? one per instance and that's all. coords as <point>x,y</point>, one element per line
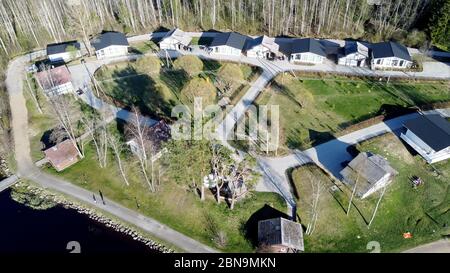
<point>224,126</point>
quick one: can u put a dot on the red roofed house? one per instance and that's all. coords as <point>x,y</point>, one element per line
<point>62,155</point>
<point>55,81</point>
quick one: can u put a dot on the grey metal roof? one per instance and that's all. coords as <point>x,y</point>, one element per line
<point>178,35</point>
<point>231,39</point>
<point>308,45</point>
<point>367,169</point>
<point>108,39</point>
<point>281,231</point>
<point>264,41</point>
<point>433,129</point>
<point>390,49</point>
<point>61,47</point>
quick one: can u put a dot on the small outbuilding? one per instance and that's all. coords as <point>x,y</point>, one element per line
<point>62,155</point>
<point>175,39</point>
<point>110,44</point>
<point>55,81</point>
<point>390,55</point>
<point>63,52</point>
<point>228,43</point>
<point>429,135</point>
<point>307,50</point>
<point>262,47</point>
<point>368,173</point>
<point>280,235</point>
<point>353,54</point>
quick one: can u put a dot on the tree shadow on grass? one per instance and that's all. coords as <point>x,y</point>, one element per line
<point>174,79</point>
<point>250,228</point>
<point>141,91</point>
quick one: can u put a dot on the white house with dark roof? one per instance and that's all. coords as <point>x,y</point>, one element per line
<point>390,55</point>
<point>353,54</point>
<point>262,47</point>
<point>110,44</point>
<point>175,39</point>
<point>429,135</point>
<point>367,173</point>
<point>307,50</point>
<point>228,43</point>
<point>280,235</point>
<point>63,51</point>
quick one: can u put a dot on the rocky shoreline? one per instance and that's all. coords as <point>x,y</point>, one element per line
<point>94,215</point>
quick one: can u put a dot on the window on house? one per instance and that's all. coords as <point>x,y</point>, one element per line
<point>378,61</point>
<point>395,63</point>
<point>401,63</point>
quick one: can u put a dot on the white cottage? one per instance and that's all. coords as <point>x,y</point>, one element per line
<point>389,55</point>
<point>228,43</point>
<point>262,47</point>
<point>353,54</point>
<point>175,39</point>
<point>367,173</point>
<point>55,81</point>
<point>110,44</point>
<point>307,50</point>
<point>429,135</point>
<point>63,52</point>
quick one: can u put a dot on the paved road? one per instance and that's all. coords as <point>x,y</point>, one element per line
<point>441,246</point>
<point>26,169</point>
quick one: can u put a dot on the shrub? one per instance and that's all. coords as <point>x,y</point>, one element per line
<point>190,64</point>
<point>199,87</point>
<point>148,65</point>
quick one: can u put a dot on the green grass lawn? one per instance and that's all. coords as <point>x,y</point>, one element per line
<point>423,211</point>
<point>313,110</point>
<point>144,47</point>
<point>173,205</point>
<point>156,93</point>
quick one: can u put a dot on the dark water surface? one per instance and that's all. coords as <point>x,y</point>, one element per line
<point>23,229</point>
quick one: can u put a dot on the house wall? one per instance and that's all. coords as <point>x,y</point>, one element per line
<point>169,44</point>
<point>225,50</point>
<point>60,89</point>
<point>65,56</point>
<point>430,155</point>
<point>258,51</point>
<point>391,62</point>
<point>352,60</point>
<point>306,58</point>
<point>111,51</point>
<point>383,182</point>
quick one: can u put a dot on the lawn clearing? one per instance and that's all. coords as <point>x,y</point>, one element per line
<point>424,211</point>
<point>144,47</point>
<point>173,205</point>
<point>314,110</point>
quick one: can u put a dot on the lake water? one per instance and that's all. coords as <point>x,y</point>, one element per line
<point>23,229</point>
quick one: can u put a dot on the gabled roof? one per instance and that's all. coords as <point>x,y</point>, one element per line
<point>178,35</point>
<point>308,45</point>
<point>433,129</point>
<point>390,49</point>
<point>53,77</point>
<point>368,169</point>
<point>355,47</point>
<point>265,41</point>
<point>231,39</point>
<point>281,231</point>
<point>61,47</point>
<point>62,154</point>
<point>108,39</point>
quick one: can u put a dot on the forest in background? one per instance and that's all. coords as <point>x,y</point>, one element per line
<point>30,24</point>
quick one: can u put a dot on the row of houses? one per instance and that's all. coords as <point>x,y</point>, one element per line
<point>302,50</point>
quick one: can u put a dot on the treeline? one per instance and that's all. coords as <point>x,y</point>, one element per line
<point>25,24</point>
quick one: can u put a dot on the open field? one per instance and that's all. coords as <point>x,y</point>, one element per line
<point>315,110</point>
<point>423,211</point>
<point>172,204</point>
